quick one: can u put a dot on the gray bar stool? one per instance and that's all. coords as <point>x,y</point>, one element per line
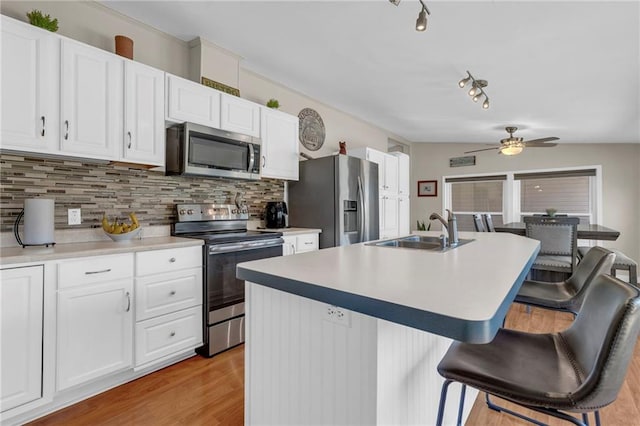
<point>578,370</point>
<point>622,262</point>
<point>567,296</point>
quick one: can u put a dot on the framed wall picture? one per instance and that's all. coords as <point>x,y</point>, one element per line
<point>427,188</point>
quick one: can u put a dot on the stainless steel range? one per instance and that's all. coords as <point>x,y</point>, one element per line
<point>223,227</point>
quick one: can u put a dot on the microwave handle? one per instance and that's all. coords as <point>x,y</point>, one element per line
<point>252,157</point>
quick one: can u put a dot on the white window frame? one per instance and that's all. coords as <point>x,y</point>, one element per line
<point>511,191</point>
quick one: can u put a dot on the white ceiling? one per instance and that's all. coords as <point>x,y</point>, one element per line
<point>569,69</point>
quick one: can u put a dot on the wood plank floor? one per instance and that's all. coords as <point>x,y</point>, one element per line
<point>202,391</point>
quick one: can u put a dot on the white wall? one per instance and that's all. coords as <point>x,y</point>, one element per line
<point>620,178</point>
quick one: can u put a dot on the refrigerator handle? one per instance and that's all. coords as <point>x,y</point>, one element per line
<point>361,224</point>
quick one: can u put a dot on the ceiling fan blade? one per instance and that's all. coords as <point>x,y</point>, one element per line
<point>540,145</point>
<point>535,141</point>
<point>485,149</point>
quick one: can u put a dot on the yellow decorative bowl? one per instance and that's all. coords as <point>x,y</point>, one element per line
<point>125,237</point>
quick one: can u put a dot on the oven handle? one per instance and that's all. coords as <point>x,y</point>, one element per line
<point>249,245</point>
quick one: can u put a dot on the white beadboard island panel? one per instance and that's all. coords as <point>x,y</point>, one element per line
<point>302,369</point>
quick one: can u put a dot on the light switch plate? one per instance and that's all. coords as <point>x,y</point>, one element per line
<point>74,216</point>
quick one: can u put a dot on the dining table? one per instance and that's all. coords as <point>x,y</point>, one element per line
<point>585,231</point>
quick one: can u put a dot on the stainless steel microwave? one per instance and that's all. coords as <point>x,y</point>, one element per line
<point>195,150</point>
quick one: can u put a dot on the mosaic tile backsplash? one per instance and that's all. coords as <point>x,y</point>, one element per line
<point>117,190</point>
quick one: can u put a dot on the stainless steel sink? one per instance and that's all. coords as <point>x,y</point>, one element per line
<point>419,242</point>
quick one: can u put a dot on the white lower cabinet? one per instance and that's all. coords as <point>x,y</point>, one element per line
<point>21,306</point>
<point>95,318</point>
<point>168,303</point>
<point>300,243</point>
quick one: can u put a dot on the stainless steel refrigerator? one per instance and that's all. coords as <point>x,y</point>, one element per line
<point>338,194</point>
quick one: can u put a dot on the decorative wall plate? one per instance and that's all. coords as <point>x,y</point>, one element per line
<point>311,129</point>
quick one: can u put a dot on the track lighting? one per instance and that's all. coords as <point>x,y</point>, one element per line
<point>477,90</point>
<point>421,22</point>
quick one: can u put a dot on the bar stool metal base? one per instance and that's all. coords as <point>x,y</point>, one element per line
<point>495,407</point>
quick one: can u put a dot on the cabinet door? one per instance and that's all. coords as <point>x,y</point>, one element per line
<point>193,102</point>
<point>289,246</point>
<point>389,216</point>
<point>404,165</point>
<point>21,292</point>
<point>91,101</point>
<point>279,134</point>
<point>95,331</point>
<point>143,114</point>
<point>378,157</point>
<point>239,115</point>
<point>391,173</point>
<point>404,213</point>
<point>30,82</point>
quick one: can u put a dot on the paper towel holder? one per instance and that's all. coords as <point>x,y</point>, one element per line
<point>17,235</point>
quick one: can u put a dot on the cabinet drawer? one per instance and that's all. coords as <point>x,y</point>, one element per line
<point>162,294</point>
<point>160,261</point>
<point>167,334</point>
<point>94,269</point>
<point>306,242</point>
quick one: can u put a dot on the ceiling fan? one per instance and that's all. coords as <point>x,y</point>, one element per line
<point>513,145</point>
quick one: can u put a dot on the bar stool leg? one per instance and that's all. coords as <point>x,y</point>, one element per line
<point>443,401</point>
<point>463,391</point>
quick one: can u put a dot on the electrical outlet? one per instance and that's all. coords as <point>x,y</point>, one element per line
<point>74,216</point>
<point>338,315</point>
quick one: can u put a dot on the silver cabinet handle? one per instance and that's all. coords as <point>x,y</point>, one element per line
<point>128,302</point>
<point>66,130</point>
<point>97,272</point>
<point>42,133</point>
<point>264,161</point>
<point>173,333</point>
<point>293,248</point>
<point>129,134</point>
<point>172,260</point>
<point>308,243</point>
<point>172,293</point>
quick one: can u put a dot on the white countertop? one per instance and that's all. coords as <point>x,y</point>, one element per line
<point>15,255</point>
<point>291,231</point>
<point>462,293</point>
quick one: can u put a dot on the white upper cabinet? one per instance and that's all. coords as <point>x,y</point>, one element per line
<point>91,101</point>
<point>192,102</point>
<point>30,82</point>
<point>239,115</point>
<point>143,114</point>
<point>387,168</point>
<point>279,150</point>
<point>404,171</point>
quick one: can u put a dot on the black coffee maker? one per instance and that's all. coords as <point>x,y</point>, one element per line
<point>275,215</point>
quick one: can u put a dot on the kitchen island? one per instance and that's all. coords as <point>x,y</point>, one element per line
<point>353,335</point>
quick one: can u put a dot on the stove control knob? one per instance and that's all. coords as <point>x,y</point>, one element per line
<point>234,211</point>
<point>245,211</point>
<point>190,211</point>
<point>181,212</point>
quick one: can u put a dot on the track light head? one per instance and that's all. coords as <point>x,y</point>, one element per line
<point>485,104</point>
<point>463,82</point>
<point>395,2</point>
<point>421,22</point>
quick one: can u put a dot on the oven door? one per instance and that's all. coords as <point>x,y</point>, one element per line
<point>223,289</point>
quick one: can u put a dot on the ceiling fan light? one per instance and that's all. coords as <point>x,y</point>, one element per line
<point>511,150</point>
<point>421,22</point>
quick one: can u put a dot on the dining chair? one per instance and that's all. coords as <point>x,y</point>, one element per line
<point>578,370</point>
<point>488,221</point>
<point>558,242</point>
<point>478,224</point>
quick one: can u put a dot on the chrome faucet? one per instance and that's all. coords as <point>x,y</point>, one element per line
<point>451,225</point>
